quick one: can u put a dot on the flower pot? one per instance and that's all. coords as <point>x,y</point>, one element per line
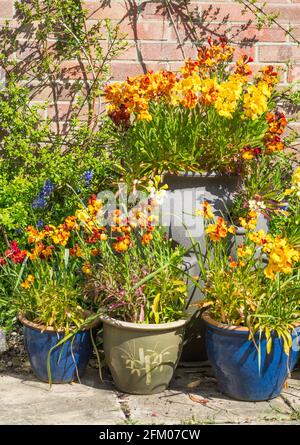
<point>194,349</point>
<point>142,358</point>
<point>296,347</point>
<point>3,343</point>
<point>67,362</point>
<point>185,193</point>
<point>235,361</point>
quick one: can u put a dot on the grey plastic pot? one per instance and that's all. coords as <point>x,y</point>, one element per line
<point>194,348</point>
<point>142,358</point>
<point>186,192</point>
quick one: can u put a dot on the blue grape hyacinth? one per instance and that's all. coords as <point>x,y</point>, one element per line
<point>87,177</point>
<point>40,201</point>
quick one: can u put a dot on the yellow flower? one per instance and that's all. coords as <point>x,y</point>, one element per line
<point>228,97</point>
<point>87,268</point>
<point>244,251</point>
<point>255,100</point>
<point>209,91</point>
<point>288,192</point>
<point>296,176</point>
<point>28,282</point>
<point>232,230</point>
<point>248,155</point>
<point>250,222</point>
<point>206,211</point>
<point>282,257</point>
<point>34,235</point>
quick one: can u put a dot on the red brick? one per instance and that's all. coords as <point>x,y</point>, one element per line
<point>45,93</point>
<point>72,70</point>
<point>279,53</point>
<point>200,31</point>
<point>121,70</point>
<point>249,51</point>
<point>116,10</point>
<point>231,12</point>
<point>166,51</point>
<point>263,35</point>
<point>152,10</point>
<point>61,112</point>
<point>146,30</point>
<point>6,9</point>
<point>288,13</point>
<point>296,30</point>
<point>130,53</point>
<point>63,126</point>
<point>294,73</point>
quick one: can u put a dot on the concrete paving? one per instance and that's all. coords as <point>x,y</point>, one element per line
<point>193,398</point>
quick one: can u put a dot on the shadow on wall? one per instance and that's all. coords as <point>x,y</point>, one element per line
<point>190,26</point>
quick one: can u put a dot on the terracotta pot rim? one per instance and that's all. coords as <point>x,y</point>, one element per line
<point>190,174</point>
<point>226,327</point>
<point>42,328</point>
<point>143,326</point>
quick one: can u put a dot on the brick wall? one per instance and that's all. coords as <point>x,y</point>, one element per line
<point>161,38</point>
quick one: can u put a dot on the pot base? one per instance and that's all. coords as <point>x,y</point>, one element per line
<point>142,358</point>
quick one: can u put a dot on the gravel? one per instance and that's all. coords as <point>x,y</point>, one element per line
<point>14,359</point>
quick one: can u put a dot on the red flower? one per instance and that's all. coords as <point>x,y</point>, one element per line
<point>15,253</point>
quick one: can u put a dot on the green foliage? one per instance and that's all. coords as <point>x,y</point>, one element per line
<point>55,298</point>
<point>179,139</point>
<point>34,149</point>
<point>143,284</point>
<point>264,180</point>
<point>287,222</point>
<point>258,288</point>
<point>31,154</point>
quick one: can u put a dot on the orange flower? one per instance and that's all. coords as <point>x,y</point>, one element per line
<point>70,223</point>
<point>146,238</point>
<point>277,122</point>
<point>217,231</point>
<point>269,75</point>
<point>242,67</point>
<point>190,67</point>
<point>122,244</point>
<point>60,236</point>
<point>95,252</point>
<point>76,251</point>
<point>94,205</point>
<point>34,235</point>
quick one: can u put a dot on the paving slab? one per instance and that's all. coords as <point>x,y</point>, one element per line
<point>25,400</point>
<point>193,398</point>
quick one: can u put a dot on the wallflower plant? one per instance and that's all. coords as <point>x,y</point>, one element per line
<point>125,268</point>
<point>256,285</point>
<point>212,116</point>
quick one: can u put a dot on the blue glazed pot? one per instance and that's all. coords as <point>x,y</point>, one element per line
<point>68,361</point>
<point>234,359</point>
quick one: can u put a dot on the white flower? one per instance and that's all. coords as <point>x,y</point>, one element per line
<point>256,206</point>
